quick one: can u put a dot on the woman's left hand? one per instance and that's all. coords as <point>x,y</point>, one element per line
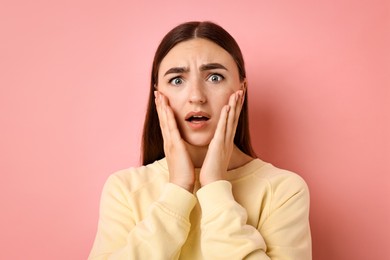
<point>221,146</point>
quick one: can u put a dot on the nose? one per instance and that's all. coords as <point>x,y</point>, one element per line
<point>197,93</point>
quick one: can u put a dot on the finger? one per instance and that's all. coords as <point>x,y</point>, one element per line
<point>158,107</point>
<point>220,132</point>
<point>162,115</point>
<point>234,103</point>
<point>240,104</point>
<point>171,124</point>
<point>237,112</point>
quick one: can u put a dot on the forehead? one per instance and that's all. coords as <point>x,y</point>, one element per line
<point>196,52</point>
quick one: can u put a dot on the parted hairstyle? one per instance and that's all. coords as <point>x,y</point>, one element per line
<point>152,146</point>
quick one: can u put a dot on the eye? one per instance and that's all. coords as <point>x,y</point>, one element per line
<point>176,81</point>
<point>215,78</point>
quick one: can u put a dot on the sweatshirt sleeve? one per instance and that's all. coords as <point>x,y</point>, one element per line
<point>225,231</point>
<point>159,236</point>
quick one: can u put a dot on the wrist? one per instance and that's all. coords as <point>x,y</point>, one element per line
<point>206,181</point>
<point>187,186</point>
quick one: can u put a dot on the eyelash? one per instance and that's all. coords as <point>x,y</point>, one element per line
<point>216,74</point>
<point>171,81</point>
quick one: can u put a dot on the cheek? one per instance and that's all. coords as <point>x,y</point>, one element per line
<point>224,97</point>
<point>220,102</point>
<point>176,108</point>
<point>173,103</point>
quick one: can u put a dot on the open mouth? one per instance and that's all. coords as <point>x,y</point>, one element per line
<point>196,119</point>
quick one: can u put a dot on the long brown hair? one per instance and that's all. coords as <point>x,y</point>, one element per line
<point>152,140</point>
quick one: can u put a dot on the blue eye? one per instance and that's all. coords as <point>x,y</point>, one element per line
<point>176,81</point>
<point>215,78</point>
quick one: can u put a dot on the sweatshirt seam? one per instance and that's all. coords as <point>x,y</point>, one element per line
<point>140,188</point>
<point>208,216</point>
<point>251,171</point>
<point>271,199</point>
<point>222,205</point>
<point>173,213</point>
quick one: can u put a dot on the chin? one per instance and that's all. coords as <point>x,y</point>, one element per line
<point>199,144</point>
<point>199,138</point>
<point>198,141</point>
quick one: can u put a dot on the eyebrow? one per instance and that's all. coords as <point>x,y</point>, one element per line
<point>176,70</point>
<point>212,66</point>
<point>209,66</point>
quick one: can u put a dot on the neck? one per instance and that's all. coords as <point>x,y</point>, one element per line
<point>198,154</point>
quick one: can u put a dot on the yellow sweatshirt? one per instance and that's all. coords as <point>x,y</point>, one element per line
<point>259,212</point>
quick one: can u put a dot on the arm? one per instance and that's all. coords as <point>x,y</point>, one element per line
<point>181,168</point>
<point>284,235</point>
<point>286,229</point>
<point>223,225</point>
<point>224,229</point>
<point>159,236</point>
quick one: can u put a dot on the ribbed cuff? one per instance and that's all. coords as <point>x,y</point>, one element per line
<point>214,195</point>
<point>177,200</point>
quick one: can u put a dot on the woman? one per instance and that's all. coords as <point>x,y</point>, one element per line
<point>202,193</point>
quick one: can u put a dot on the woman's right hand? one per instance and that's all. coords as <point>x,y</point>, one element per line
<point>180,166</point>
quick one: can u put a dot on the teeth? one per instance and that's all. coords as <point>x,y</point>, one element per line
<point>197,118</point>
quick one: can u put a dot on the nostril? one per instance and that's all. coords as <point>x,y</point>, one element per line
<point>198,99</point>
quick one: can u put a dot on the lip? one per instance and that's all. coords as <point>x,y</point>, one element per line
<point>195,125</point>
<point>197,113</point>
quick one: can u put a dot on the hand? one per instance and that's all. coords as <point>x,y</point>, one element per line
<point>221,146</point>
<point>180,166</point>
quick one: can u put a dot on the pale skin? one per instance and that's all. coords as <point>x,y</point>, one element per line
<point>199,98</point>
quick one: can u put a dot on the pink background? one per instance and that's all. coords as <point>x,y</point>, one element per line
<point>74,80</point>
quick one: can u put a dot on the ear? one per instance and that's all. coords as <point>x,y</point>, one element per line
<point>244,85</point>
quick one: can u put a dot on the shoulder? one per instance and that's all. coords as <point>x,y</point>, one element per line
<point>134,178</point>
<point>279,184</point>
<point>266,172</point>
<point>286,187</point>
<point>281,179</point>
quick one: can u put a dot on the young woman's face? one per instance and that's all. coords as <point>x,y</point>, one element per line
<point>198,77</point>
